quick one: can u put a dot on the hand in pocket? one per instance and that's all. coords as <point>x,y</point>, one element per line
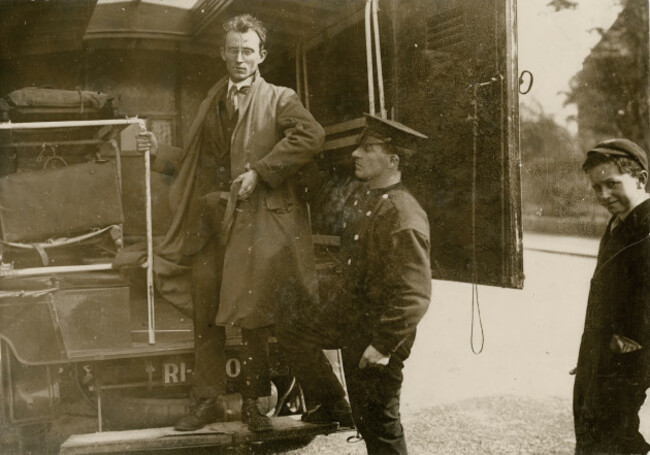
<point>623,345</point>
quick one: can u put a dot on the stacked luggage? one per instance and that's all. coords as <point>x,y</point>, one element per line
<point>57,185</point>
<point>38,104</point>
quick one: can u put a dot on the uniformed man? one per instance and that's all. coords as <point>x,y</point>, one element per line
<point>613,371</point>
<point>385,291</point>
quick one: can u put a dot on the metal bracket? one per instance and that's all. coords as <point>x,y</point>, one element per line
<point>522,80</point>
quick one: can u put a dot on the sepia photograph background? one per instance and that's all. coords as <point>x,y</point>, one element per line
<point>489,373</point>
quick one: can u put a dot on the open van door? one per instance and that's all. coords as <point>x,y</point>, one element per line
<point>456,80</point>
<point>449,70</point>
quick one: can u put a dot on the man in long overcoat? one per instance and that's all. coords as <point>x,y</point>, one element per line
<point>613,370</point>
<point>253,259</point>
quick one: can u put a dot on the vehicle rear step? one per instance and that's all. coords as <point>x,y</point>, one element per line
<point>220,434</point>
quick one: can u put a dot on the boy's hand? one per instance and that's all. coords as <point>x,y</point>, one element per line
<point>622,345</point>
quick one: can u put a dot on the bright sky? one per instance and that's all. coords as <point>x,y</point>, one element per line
<point>552,45</point>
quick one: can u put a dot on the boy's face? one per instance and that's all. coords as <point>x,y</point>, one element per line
<point>617,192</point>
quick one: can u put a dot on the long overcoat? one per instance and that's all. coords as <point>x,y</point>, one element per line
<point>269,258</point>
<point>269,261</point>
<point>619,303</point>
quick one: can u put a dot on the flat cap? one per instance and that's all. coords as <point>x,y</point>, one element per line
<point>622,147</point>
<point>380,130</point>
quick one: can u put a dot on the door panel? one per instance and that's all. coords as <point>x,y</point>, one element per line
<point>454,79</point>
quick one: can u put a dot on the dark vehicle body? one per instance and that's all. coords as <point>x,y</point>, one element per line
<point>86,347</point>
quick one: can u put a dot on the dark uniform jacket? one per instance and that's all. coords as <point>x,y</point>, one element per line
<point>386,266</point>
<point>619,300</point>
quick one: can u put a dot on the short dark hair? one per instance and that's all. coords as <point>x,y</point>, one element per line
<point>405,155</point>
<point>625,165</point>
<point>244,23</point>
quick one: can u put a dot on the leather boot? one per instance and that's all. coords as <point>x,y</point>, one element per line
<point>251,415</point>
<point>339,411</point>
<point>204,412</point>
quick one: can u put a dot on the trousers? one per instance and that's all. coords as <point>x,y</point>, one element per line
<point>374,392</point>
<point>209,373</point>
<point>606,414</point>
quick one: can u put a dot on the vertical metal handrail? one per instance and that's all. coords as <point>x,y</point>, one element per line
<point>369,63</point>
<point>305,76</point>
<point>98,392</point>
<point>380,75</point>
<point>298,75</point>
<point>151,313</point>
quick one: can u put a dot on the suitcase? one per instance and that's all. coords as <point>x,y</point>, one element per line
<point>59,317</point>
<point>34,104</point>
<point>39,205</point>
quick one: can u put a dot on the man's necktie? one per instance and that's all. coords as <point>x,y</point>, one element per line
<point>232,100</point>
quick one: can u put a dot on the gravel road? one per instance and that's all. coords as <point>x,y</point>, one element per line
<point>501,425</point>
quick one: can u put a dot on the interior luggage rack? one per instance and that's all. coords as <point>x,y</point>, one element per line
<point>103,128</point>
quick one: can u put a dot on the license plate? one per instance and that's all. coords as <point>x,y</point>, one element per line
<point>176,372</point>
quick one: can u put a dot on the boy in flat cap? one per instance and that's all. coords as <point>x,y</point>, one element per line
<point>385,291</point>
<point>613,370</point>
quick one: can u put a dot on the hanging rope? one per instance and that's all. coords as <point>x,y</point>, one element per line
<point>476,306</point>
<point>476,309</point>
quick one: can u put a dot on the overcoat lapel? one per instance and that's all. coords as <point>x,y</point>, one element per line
<point>181,194</point>
<point>608,244</point>
<point>213,129</point>
<point>623,236</point>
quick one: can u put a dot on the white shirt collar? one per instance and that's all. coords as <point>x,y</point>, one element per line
<point>246,82</point>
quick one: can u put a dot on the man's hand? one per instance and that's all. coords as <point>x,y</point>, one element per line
<point>622,345</point>
<point>248,181</point>
<point>147,141</point>
<point>373,358</point>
